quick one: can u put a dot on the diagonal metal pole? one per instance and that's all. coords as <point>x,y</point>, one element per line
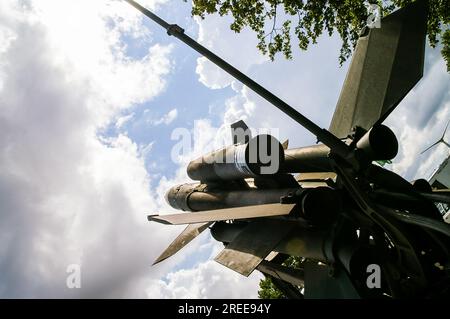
<point>337,146</point>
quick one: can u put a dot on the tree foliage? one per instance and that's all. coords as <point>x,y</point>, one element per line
<point>277,22</point>
<point>268,290</point>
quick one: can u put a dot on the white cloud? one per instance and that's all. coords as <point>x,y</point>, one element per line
<point>242,53</point>
<point>207,280</point>
<point>144,150</point>
<point>166,118</point>
<point>420,119</point>
<point>68,196</point>
<point>121,121</point>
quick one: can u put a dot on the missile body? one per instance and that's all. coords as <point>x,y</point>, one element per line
<point>262,155</point>
<point>197,197</point>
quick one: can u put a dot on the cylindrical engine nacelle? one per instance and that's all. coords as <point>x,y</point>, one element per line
<point>196,197</point>
<point>262,155</point>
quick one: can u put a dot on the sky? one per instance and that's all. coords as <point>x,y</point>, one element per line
<point>93,97</point>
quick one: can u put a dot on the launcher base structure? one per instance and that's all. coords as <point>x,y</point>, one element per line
<point>356,229</point>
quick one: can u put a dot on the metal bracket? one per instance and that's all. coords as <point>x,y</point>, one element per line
<point>175,29</point>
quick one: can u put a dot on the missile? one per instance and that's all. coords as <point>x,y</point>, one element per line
<point>379,143</point>
<point>319,205</point>
<point>307,159</point>
<point>302,241</point>
<point>197,197</point>
<point>262,155</point>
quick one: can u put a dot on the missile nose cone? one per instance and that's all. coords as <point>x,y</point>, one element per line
<point>171,196</point>
<point>177,197</point>
<point>166,197</point>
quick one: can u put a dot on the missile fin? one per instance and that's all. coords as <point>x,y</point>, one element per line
<point>285,144</point>
<point>240,132</point>
<point>387,63</point>
<point>186,236</point>
<point>253,244</point>
<point>255,211</point>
